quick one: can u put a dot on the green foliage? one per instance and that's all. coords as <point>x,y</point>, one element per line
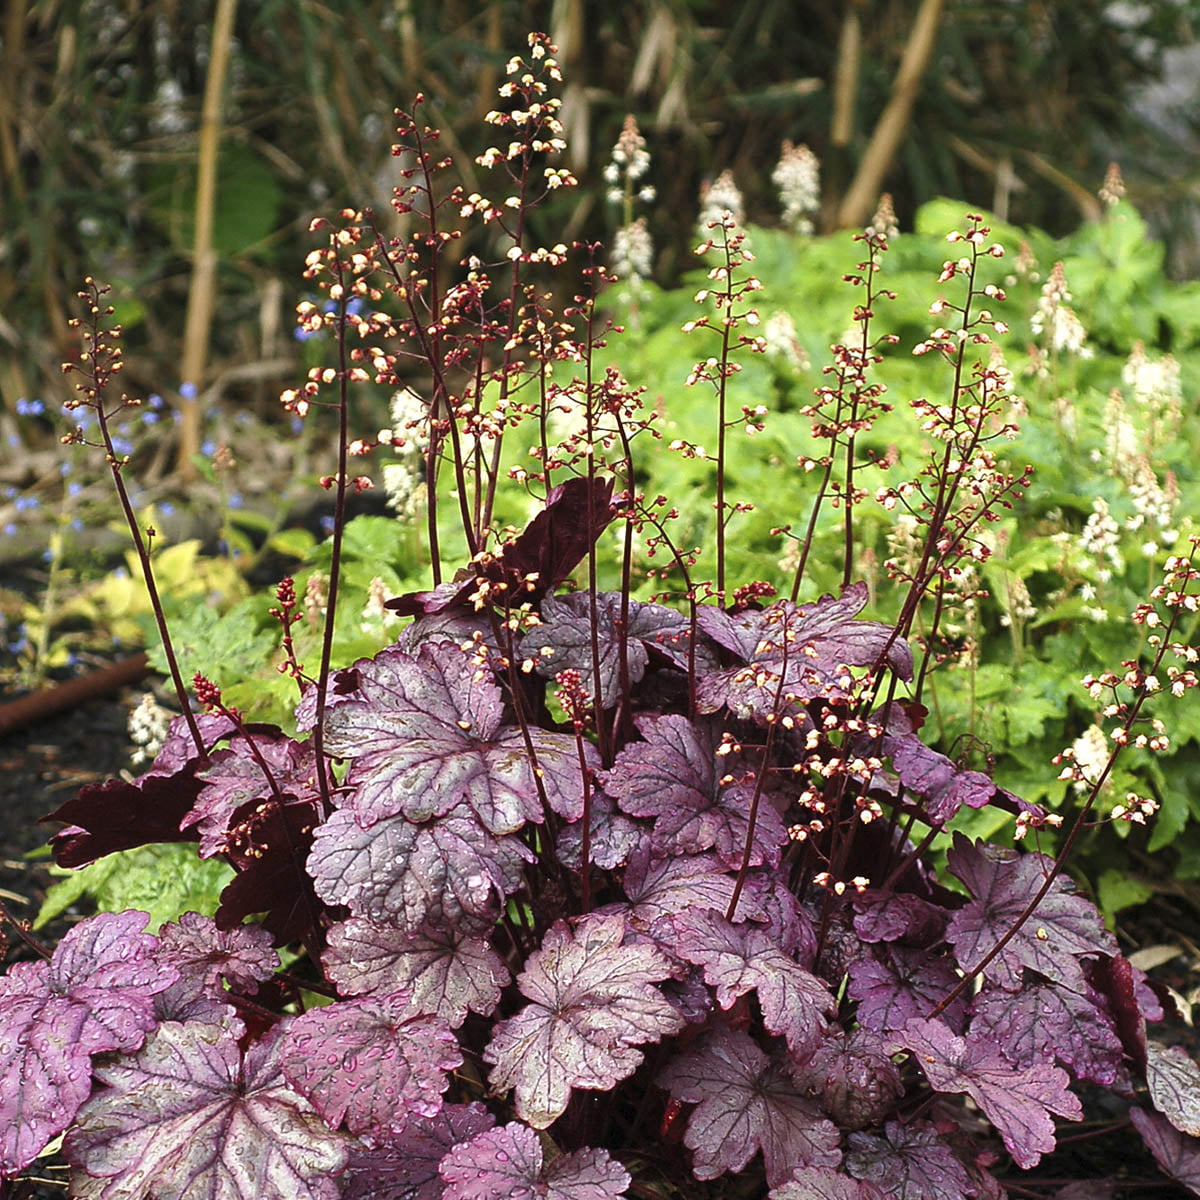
<point>163,880</point>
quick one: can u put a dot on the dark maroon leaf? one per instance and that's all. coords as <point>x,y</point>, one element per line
<point>234,781</point>
<point>404,1165</point>
<point>446,970</point>
<point>268,848</point>
<point>537,560</point>
<point>855,1077</point>
<point>189,1117</point>
<point>1018,1102</point>
<point>1130,1001</point>
<point>805,648</point>
<point>507,1164</point>
<point>745,1103</point>
<point>674,777</point>
<point>909,1162</point>
<point>898,917</point>
<point>451,871</point>
<point>95,994</point>
<point>741,958</point>
<point>897,982</point>
<point>428,740</point>
<point>114,815</point>
<point>1177,1153</point>
<point>1051,942</point>
<point>939,781</point>
<point>370,1061</point>
<point>614,836</point>
<point>563,640</point>
<point>1174,1081</point>
<point>593,1002</point>
<point>1042,1023</point>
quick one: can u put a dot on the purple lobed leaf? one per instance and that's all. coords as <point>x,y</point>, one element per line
<point>672,776</point>
<point>821,1183</point>
<point>96,994</point>
<point>450,871</point>
<point>370,1061</point>
<point>447,971</point>
<point>188,1118</point>
<point>1042,1023</point>
<point>427,740</point>
<point>614,836</point>
<point>746,1103</point>
<point>235,781</point>
<point>404,1165</point>
<point>1064,928</point>
<point>898,982</point>
<point>563,641</point>
<point>506,1163</point>
<point>241,957</point>
<point>1018,1102</point>
<point>803,648</point>
<point>741,958</point>
<point>855,1077</point>
<point>1176,1152</point>
<point>898,916</point>
<point>907,1161</point>
<point>593,1001</point>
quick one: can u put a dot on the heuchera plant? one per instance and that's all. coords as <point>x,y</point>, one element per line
<point>588,896</point>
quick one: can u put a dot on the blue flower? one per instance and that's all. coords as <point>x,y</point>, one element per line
<point>154,400</point>
<point>166,508</point>
<point>236,500</point>
<point>208,448</point>
<point>29,408</point>
<point>25,503</point>
<point>187,391</point>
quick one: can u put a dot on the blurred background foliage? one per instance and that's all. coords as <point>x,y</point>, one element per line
<point>178,149</point>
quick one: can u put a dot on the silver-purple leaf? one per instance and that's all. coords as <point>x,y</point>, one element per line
<point>507,1163</point>
<point>672,776</point>
<point>429,739</point>
<point>799,651</point>
<point>614,836</point>
<point>1044,1023</point>
<point>188,1118</point>
<point>822,1183</point>
<point>1174,1081</point>
<point>95,994</point>
<point>593,1002</point>
<point>242,957</point>
<point>896,982</point>
<point>404,1165</point>
<point>446,970</point>
<point>450,871</point>
<point>741,958</point>
<point>1017,1101</point>
<point>563,641</point>
<point>908,1162</point>
<point>745,1102</point>
<point>1064,928</point>
<point>370,1061</point>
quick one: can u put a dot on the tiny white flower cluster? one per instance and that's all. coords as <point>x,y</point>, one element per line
<point>629,163</point>
<point>797,175</point>
<point>375,613</point>
<point>149,724</point>
<point>409,439</point>
<point>718,198</point>
<point>1055,321</point>
<point>1101,539</point>
<point>633,251</point>
<point>782,341</point>
<point>1090,752</point>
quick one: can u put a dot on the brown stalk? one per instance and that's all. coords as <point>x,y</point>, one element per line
<point>863,193</point>
<point>202,292</point>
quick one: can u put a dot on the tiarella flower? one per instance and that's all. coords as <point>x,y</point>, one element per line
<point>148,726</point>
<point>1090,752</point>
<point>783,342</point>
<point>797,175</point>
<point>884,220</point>
<point>1101,541</point>
<point>1055,322</point>
<point>630,162</point>
<point>633,251</point>
<point>718,198</point>
<point>1113,187</point>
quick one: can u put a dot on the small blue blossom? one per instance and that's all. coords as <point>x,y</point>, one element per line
<point>47,555</point>
<point>297,425</point>
<point>208,448</point>
<point>122,445</point>
<point>13,440</point>
<point>303,335</point>
<point>29,408</point>
<point>236,500</point>
<point>65,468</point>
<point>327,525</point>
<point>10,528</point>
<point>9,492</point>
<point>150,418</point>
<point>77,523</point>
<point>74,487</point>
<point>154,400</point>
<point>166,508</point>
<point>187,391</point>
<point>25,503</point>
